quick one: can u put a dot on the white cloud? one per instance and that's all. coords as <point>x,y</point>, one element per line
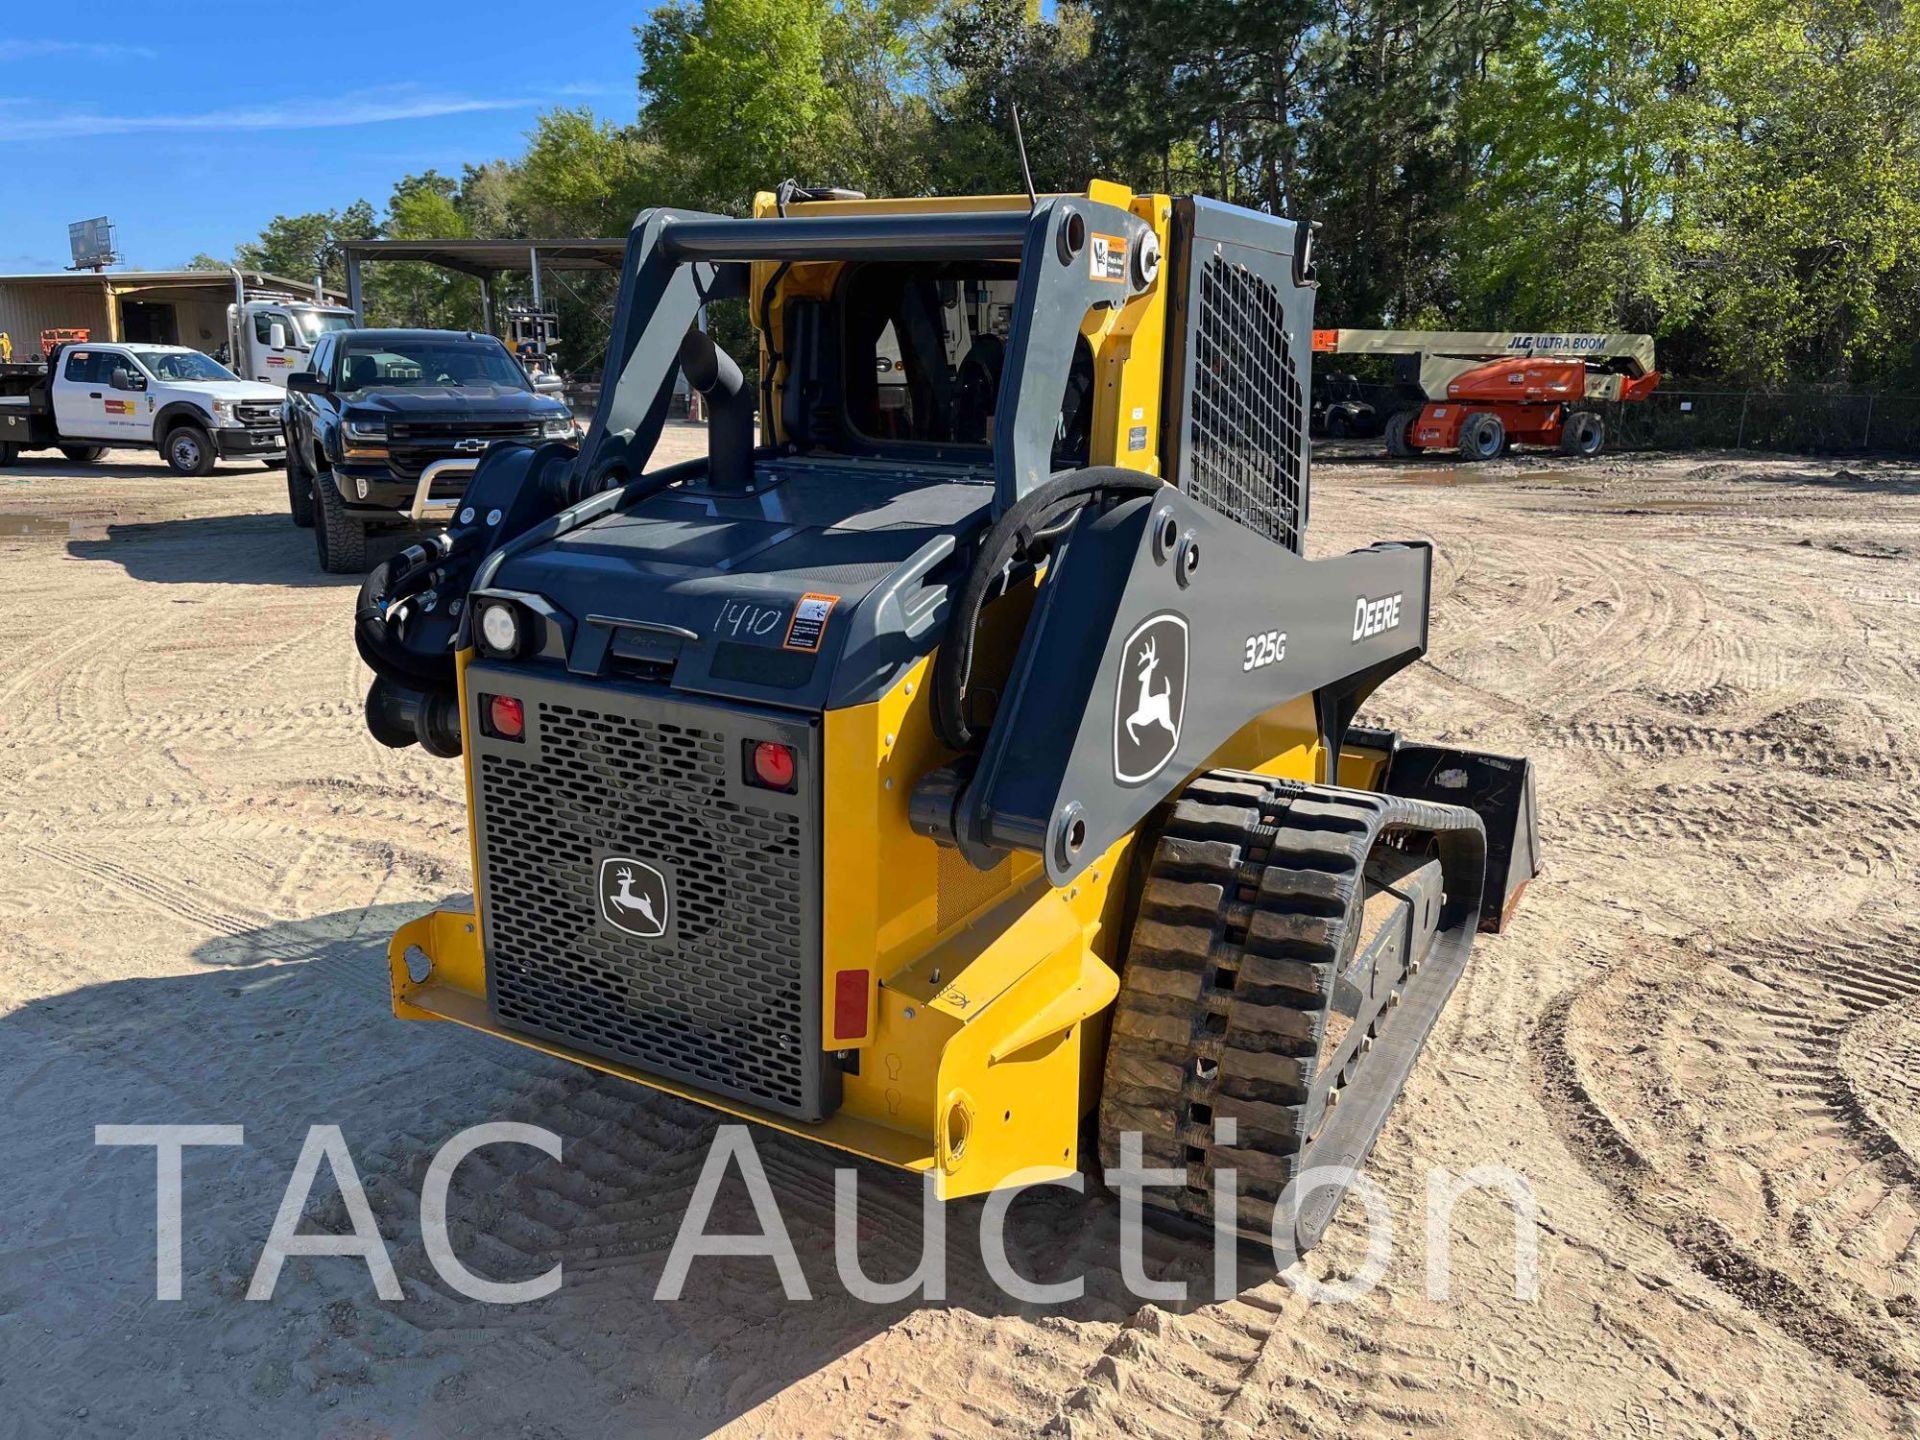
<point>84,49</point>
<point>360,107</point>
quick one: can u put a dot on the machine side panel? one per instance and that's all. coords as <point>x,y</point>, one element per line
<point>1131,679</point>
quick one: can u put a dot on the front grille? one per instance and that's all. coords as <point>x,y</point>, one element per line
<point>257,416</point>
<point>728,999</point>
<point>1246,447</point>
<point>449,431</point>
<point>412,445</point>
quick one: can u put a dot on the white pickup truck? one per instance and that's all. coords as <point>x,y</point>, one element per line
<point>184,404</point>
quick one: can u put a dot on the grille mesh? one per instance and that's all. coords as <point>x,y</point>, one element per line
<point>720,1002</point>
<point>1248,432</point>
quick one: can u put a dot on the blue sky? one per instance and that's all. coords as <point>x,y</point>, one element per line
<point>192,125</point>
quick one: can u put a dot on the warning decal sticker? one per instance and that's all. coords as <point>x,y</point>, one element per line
<point>809,624</point>
<point>1107,258</point>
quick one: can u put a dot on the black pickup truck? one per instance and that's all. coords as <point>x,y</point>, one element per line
<point>385,426</point>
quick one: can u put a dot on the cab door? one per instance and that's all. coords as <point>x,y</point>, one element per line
<point>129,406</point>
<point>80,393</point>
<point>273,363</point>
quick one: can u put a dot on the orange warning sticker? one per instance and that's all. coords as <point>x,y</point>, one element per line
<point>809,624</point>
<point>1107,258</point>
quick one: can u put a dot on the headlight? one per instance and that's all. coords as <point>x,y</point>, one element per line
<point>500,629</point>
<point>372,431</point>
<point>558,428</point>
<point>223,412</point>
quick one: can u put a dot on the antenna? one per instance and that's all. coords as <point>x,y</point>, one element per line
<point>1026,170</point>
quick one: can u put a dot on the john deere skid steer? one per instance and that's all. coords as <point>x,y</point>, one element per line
<point>960,761</point>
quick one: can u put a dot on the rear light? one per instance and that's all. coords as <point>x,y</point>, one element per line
<point>504,717</point>
<point>850,990</point>
<point>771,765</point>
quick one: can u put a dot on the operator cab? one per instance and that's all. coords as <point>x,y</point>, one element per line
<point>905,354</point>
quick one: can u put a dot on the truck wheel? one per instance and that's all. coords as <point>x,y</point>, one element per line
<point>340,538</point>
<point>83,454</point>
<point>299,490</point>
<point>1583,433</point>
<point>189,450</point>
<point>1482,436</point>
<point>7,451</point>
<point>1399,434</point>
<point>1336,426</point>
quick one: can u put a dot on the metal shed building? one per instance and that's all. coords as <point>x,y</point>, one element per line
<point>156,307</point>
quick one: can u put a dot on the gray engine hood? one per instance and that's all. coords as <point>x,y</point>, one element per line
<point>703,589</point>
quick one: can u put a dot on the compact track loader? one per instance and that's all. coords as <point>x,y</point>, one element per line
<point>963,766</point>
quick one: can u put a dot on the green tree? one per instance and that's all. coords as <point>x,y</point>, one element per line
<point>302,246</point>
<point>1802,208</point>
<point>1584,130</point>
<point>585,177</point>
<point>737,89</point>
<point>423,207</point>
<point>999,54</point>
<point>1384,166</point>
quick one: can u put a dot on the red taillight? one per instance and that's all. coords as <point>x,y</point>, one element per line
<point>506,717</point>
<point>770,765</point>
<point>850,989</point>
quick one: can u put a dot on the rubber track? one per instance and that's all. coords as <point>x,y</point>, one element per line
<point>1250,906</point>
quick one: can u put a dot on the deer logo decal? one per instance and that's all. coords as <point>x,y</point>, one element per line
<point>634,897</point>
<point>1150,698</point>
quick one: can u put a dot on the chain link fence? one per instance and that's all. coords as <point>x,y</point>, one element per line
<point>1804,420</point>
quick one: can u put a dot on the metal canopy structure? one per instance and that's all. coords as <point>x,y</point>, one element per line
<point>484,260</point>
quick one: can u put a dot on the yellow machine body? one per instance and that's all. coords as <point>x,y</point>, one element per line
<point>982,1048</point>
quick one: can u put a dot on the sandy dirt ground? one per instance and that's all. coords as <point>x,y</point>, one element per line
<point>1700,1043</point>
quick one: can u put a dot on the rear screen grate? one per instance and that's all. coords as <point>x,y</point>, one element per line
<point>722,1001</point>
<point>1245,457</point>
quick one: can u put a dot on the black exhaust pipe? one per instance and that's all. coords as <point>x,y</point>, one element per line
<point>716,375</point>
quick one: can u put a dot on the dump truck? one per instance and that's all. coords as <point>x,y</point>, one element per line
<point>962,773</point>
<point>1487,391</point>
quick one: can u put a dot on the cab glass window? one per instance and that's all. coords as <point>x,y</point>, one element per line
<point>924,348</point>
<point>89,367</point>
<point>429,360</point>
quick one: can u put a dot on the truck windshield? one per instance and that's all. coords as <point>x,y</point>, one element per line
<point>312,324</point>
<point>178,366</point>
<point>428,361</point>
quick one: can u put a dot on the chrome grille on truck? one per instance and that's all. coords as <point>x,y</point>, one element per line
<point>415,444</point>
<point>728,999</point>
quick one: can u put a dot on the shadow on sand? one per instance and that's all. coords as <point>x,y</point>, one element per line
<point>225,550</point>
<point>286,1027</point>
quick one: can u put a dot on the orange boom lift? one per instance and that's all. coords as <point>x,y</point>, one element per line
<point>1490,390</point>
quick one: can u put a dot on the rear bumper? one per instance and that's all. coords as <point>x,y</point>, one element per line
<point>1008,1074</point>
<point>444,949</point>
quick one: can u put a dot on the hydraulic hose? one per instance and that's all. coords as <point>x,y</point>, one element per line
<point>1030,524</point>
<point>374,636</point>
